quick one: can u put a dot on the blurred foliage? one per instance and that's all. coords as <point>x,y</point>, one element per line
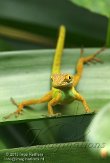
<point>4,46</point>
<point>102,133</point>
<point>99,6</point>
<point>36,16</point>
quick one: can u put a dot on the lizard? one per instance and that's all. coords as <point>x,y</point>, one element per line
<point>63,84</point>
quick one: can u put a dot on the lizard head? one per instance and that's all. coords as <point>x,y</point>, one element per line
<point>62,80</point>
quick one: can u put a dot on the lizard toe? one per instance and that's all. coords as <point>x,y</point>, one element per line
<point>55,115</point>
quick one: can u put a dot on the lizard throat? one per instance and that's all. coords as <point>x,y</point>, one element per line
<point>63,86</point>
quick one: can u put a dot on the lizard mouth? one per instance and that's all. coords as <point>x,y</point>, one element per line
<point>63,85</point>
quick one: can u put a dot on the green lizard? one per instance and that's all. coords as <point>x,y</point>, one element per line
<point>63,85</point>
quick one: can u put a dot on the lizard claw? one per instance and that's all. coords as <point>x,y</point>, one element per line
<point>17,112</point>
<point>8,116</point>
<point>94,60</point>
<point>97,60</point>
<point>45,115</point>
<point>14,102</point>
<point>55,115</point>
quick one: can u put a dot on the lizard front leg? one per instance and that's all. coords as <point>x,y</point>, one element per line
<point>52,103</point>
<point>20,106</point>
<point>81,98</point>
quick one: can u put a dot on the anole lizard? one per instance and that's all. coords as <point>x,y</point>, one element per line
<point>63,85</point>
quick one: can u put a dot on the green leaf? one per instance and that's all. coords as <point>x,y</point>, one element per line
<point>37,17</point>
<point>26,75</point>
<point>67,152</point>
<point>100,6</point>
<point>5,46</point>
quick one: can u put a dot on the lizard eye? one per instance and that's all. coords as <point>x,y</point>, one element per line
<point>68,77</point>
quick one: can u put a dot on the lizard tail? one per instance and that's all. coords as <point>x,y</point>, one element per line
<point>59,50</point>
